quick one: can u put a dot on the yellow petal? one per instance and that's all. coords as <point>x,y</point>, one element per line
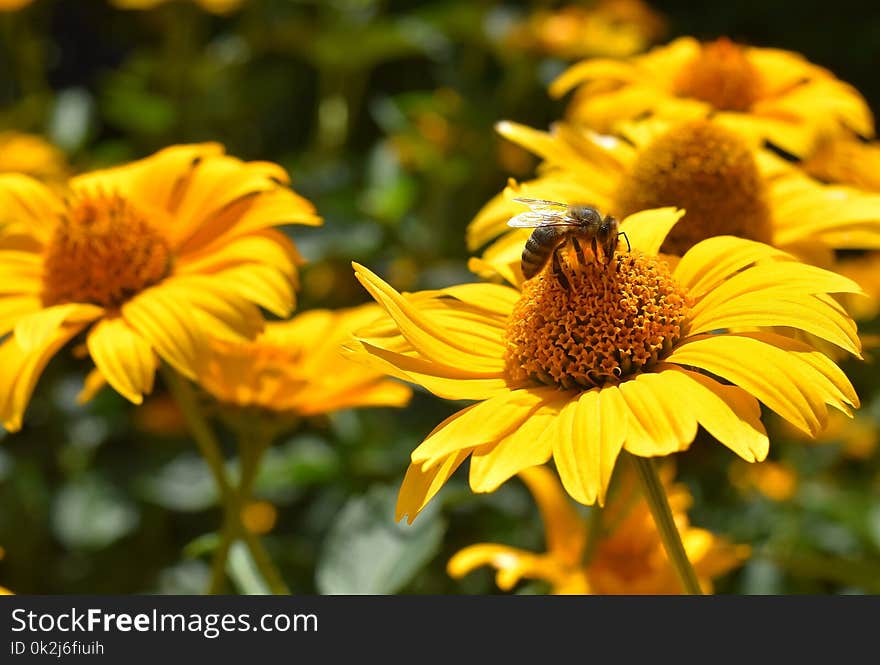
<point>594,68</point>
<point>94,382</point>
<point>34,330</point>
<point>728,413</point>
<point>782,373</point>
<point>22,369</point>
<point>646,230</point>
<point>14,308</point>
<point>419,485</point>
<point>173,331</point>
<point>714,260</point>
<point>658,425</point>
<point>31,207</point>
<point>260,284</point>
<point>123,357</point>
<point>485,422</point>
<point>429,338</point>
<point>528,445</point>
<point>591,431</point>
<point>511,563</point>
<point>764,309</point>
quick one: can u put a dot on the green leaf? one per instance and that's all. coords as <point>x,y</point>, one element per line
<point>367,553</point>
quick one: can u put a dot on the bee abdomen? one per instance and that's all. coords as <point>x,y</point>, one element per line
<point>539,246</point>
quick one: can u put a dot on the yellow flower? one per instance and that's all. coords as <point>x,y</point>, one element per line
<point>857,436</point>
<point>762,93</point>
<point>775,480</point>
<point>296,367</point>
<point>726,186</point>
<point>32,155</point>
<point>607,28</point>
<point>846,161</point>
<point>629,356</point>
<point>149,259</point>
<point>211,6</point>
<point>629,557</point>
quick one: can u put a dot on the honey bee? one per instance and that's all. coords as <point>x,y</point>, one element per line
<point>557,224</point>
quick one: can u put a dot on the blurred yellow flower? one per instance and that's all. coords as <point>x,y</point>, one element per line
<point>775,480</point>
<point>725,185</point>
<point>149,258</point>
<point>615,28</point>
<point>761,93</point>
<point>858,436</point>
<point>629,557</point>
<point>604,358</point>
<point>846,161</point>
<point>259,517</point>
<point>297,367</point>
<point>211,6</point>
<point>32,155</point>
<point>12,5</point>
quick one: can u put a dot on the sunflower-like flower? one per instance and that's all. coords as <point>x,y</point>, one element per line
<point>631,355</point>
<point>295,367</point>
<point>210,6</point>
<point>629,557</point>
<point>149,259</point>
<point>32,155</point>
<point>616,28</point>
<point>726,185</point>
<point>763,93</point>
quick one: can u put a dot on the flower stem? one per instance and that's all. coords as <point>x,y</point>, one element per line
<point>655,495</point>
<point>232,497</point>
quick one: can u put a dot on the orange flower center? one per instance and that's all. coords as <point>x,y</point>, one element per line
<point>103,251</point>
<point>612,322</point>
<point>722,75</point>
<point>707,170</point>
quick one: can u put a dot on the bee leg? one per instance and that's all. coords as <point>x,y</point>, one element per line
<point>625,237</point>
<point>594,244</point>
<point>557,270</point>
<point>579,251</point>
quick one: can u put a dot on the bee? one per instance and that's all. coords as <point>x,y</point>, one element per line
<point>557,224</point>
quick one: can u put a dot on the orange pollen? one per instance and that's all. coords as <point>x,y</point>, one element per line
<point>722,75</point>
<point>710,172</point>
<point>611,323</point>
<point>103,251</point>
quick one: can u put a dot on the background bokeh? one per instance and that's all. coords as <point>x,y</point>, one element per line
<point>383,113</point>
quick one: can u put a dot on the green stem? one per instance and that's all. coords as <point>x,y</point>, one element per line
<point>655,495</point>
<point>251,451</point>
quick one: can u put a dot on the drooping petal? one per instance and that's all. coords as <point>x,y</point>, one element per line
<point>21,370</point>
<point>728,413</point>
<point>485,422</point>
<point>511,563</point>
<point>420,485</point>
<point>529,445</point>
<point>124,358</point>
<point>591,431</point>
<point>658,423</point>
<point>782,373</point>
<point>34,330</point>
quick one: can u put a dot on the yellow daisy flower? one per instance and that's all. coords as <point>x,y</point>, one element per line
<point>296,367</point>
<point>628,558</point>
<point>210,6</point>
<point>726,186</point>
<point>763,93</point>
<point>33,156</point>
<point>606,28</point>
<point>630,356</point>
<point>149,258</point>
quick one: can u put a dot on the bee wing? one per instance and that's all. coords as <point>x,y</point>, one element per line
<point>543,204</point>
<point>529,220</point>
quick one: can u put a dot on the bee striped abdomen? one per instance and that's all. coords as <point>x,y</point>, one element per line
<point>543,242</point>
